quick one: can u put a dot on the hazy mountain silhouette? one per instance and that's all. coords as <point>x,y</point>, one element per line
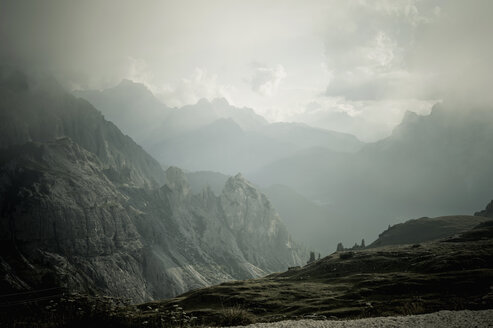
<point>430,165</point>
<point>214,135</point>
<point>131,106</point>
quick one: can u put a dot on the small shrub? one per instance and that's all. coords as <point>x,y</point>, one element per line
<point>235,316</point>
<point>346,255</point>
<point>411,308</point>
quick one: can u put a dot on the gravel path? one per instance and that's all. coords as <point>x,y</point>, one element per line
<point>442,319</point>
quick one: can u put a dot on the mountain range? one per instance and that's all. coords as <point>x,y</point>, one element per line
<point>430,165</point>
<point>209,135</point>
<point>86,208</point>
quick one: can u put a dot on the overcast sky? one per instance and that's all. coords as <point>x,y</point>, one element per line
<point>352,66</point>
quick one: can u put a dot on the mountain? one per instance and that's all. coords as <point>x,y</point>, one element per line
<point>80,208</point>
<point>303,218</point>
<point>426,229</point>
<point>302,136</point>
<point>395,280</point>
<point>221,146</point>
<point>131,106</point>
<point>198,138</point>
<point>134,108</point>
<point>40,110</point>
<point>430,165</point>
<point>204,112</point>
<point>487,212</point>
<point>211,135</point>
<point>207,179</point>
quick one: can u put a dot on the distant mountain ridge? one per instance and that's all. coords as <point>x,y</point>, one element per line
<point>131,106</point>
<point>431,165</point>
<point>213,135</point>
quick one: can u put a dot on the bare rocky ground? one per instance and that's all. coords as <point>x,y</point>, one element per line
<point>441,319</point>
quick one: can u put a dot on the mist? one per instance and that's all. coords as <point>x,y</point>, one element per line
<point>289,94</point>
<point>228,163</point>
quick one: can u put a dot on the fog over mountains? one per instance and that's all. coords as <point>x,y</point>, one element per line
<point>84,207</point>
<point>212,163</point>
<point>213,135</point>
<point>431,164</point>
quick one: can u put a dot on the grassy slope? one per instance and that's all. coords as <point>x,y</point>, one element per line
<point>427,229</point>
<point>410,279</point>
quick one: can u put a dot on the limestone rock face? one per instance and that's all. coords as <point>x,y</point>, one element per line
<point>256,225</point>
<point>72,226</point>
<point>64,218</point>
<point>42,111</point>
<point>82,208</point>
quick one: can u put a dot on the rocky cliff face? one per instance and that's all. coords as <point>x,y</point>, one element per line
<point>256,225</point>
<point>65,223</point>
<point>42,111</point>
<point>487,212</point>
<point>74,215</point>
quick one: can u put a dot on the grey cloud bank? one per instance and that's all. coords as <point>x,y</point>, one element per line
<point>364,62</point>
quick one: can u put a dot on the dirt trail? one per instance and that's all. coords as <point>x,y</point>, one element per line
<point>442,319</point>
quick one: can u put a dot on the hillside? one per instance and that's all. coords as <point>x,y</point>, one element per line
<point>392,280</point>
<point>426,229</point>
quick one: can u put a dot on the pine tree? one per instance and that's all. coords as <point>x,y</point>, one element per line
<point>340,247</point>
<point>363,242</point>
<point>312,257</point>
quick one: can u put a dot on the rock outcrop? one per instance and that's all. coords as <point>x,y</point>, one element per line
<point>42,111</point>
<point>487,212</point>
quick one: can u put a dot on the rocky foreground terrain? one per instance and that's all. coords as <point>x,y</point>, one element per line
<point>442,319</point>
<point>452,274</point>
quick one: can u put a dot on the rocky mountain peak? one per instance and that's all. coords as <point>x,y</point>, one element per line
<point>203,102</point>
<point>409,116</point>
<point>487,212</point>
<point>220,102</point>
<point>240,199</point>
<point>238,183</point>
<point>177,181</point>
<point>126,85</point>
